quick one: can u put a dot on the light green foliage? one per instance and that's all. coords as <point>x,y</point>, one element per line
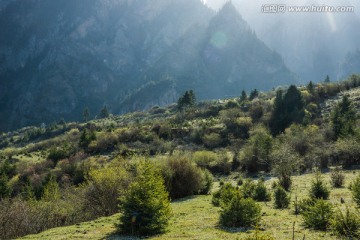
<point>207,182</point>
<point>346,224</point>
<point>212,140</point>
<point>204,159</point>
<point>355,189</point>
<point>318,189</point>
<point>281,197</point>
<point>240,212</point>
<point>104,187</point>
<point>337,178</point>
<point>285,162</point>
<point>145,208</point>
<point>51,191</point>
<point>319,215</point>
<point>255,155</point>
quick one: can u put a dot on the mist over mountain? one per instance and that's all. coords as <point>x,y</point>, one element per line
<point>313,44</point>
<point>57,57</point>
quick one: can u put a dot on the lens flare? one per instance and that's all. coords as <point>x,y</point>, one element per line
<point>219,39</point>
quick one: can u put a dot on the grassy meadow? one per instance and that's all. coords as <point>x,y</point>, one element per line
<point>196,218</point>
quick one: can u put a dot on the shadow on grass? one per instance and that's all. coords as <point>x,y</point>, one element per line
<point>184,199</point>
<point>116,236</point>
<point>233,229</point>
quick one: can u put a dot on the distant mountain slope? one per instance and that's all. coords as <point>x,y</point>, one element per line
<point>57,57</point>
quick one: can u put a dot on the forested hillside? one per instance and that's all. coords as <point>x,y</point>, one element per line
<point>70,172</point>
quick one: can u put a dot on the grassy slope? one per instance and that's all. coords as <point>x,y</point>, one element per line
<point>196,218</point>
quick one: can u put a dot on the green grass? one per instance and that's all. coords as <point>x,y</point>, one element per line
<point>196,218</point>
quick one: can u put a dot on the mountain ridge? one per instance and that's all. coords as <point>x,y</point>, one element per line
<point>96,53</point>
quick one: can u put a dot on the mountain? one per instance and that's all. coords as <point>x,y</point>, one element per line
<point>57,57</point>
<point>313,44</point>
<point>351,64</point>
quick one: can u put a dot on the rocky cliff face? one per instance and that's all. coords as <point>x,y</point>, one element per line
<point>57,57</point>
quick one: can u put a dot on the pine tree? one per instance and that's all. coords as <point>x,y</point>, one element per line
<point>86,114</point>
<point>187,100</point>
<point>104,113</point>
<point>243,96</point>
<point>277,118</point>
<point>253,94</point>
<point>294,106</point>
<point>310,87</point>
<point>327,79</point>
<point>288,109</point>
<point>145,208</point>
<point>343,118</point>
<point>4,187</point>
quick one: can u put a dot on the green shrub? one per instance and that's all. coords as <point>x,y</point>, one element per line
<point>204,158</point>
<point>346,225</point>
<point>260,192</point>
<point>282,199</point>
<point>105,141</point>
<point>207,183</point>
<point>355,189</point>
<point>224,195</point>
<point>212,140</point>
<point>222,164</point>
<point>58,153</point>
<point>337,178</point>
<point>240,212</point>
<point>346,151</point>
<point>248,188</point>
<point>255,155</point>
<point>319,215</point>
<point>182,176</point>
<point>318,188</point>
<point>285,161</point>
<point>104,187</point>
<point>145,208</point>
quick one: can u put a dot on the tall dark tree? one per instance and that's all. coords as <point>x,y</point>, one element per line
<point>343,118</point>
<point>253,94</point>
<point>277,118</point>
<point>187,100</point>
<point>243,96</point>
<point>294,106</point>
<point>310,87</point>
<point>327,79</point>
<point>104,113</point>
<point>86,114</point>
<point>288,109</point>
